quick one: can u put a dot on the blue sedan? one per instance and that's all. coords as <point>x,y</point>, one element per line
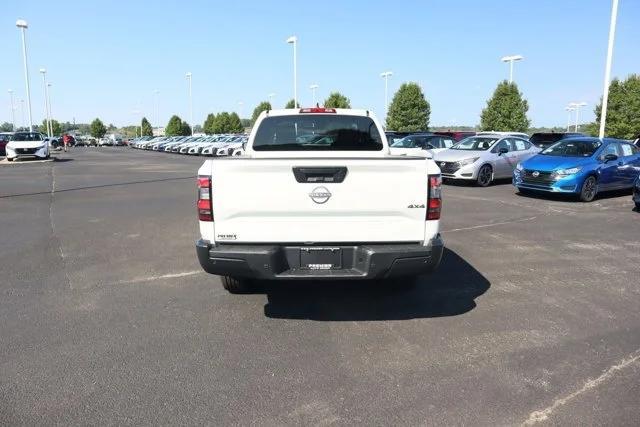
<point>583,166</point>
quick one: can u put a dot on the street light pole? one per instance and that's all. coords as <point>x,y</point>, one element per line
<point>135,113</point>
<point>511,59</point>
<point>271,95</point>
<point>48,94</point>
<point>569,110</point>
<point>22,24</point>
<point>189,75</point>
<point>386,76</point>
<point>294,40</point>
<point>43,71</point>
<point>577,106</point>
<point>24,125</point>
<point>313,88</point>
<point>607,71</point>
<point>157,96</point>
<point>13,114</point>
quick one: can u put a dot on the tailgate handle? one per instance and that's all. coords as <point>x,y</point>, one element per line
<point>320,174</point>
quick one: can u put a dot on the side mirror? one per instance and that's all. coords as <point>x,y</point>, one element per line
<point>244,145</point>
<point>502,151</point>
<point>610,157</point>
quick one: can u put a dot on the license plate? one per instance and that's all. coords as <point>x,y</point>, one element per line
<point>320,258</point>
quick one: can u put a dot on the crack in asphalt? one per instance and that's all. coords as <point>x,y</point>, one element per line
<point>52,225</point>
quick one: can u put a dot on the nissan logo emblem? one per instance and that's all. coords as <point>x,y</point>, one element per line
<point>320,195</point>
<point>535,174</point>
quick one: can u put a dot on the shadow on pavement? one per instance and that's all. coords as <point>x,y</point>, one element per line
<point>472,183</point>
<point>449,291</point>
<point>572,197</point>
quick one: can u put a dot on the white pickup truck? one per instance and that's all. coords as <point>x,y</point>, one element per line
<point>317,195</point>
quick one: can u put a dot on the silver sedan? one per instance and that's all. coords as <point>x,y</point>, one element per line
<point>483,158</point>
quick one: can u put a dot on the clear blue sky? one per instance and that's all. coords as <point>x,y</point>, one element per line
<point>105,58</point>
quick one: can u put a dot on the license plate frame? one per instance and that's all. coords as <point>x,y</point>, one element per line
<point>321,258</point>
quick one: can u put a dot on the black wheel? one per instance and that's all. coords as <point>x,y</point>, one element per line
<point>9,159</point>
<point>236,285</point>
<point>589,189</point>
<point>484,176</point>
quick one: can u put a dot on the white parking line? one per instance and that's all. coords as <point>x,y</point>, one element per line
<point>542,415</point>
<point>493,224</point>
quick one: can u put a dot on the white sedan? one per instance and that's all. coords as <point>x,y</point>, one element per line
<point>27,145</point>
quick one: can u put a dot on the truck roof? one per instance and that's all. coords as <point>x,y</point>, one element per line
<point>318,110</point>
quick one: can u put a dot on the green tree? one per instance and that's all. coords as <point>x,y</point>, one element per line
<point>6,127</point>
<point>98,128</point>
<point>174,127</point>
<point>185,129</point>
<point>623,110</point>
<point>506,110</point>
<point>146,128</point>
<point>263,106</point>
<point>337,100</point>
<point>209,123</point>
<point>221,124</point>
<point>292,104</point>
<point>55,126</point>
<point>409,110</point>
<point>235,125</point>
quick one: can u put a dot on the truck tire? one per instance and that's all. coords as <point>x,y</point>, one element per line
<point>236,285</point>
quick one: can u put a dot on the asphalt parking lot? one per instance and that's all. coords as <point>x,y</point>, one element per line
<point>107,318</point>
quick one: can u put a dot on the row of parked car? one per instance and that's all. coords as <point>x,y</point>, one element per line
<point>209,145</point>
<point>545,162</point>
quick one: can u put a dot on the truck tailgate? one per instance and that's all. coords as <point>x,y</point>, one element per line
<point>319,200</point>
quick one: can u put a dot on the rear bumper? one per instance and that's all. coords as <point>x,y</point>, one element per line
<point>367,261</point>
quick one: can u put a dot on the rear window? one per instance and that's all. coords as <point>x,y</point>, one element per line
<point>544,140</point>
<point>317,132</point>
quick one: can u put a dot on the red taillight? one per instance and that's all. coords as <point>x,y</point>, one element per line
<point>434,203</point>
<point>205,209</point>
<point>318,110</point>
